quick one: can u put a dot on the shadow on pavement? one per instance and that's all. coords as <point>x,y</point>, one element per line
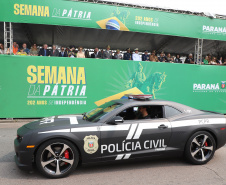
<point>15,173</point>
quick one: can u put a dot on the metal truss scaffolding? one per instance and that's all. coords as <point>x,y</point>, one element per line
<point>8,37</point>
<point>198,51</point>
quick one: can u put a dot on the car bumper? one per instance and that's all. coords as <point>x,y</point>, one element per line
<point>23,157</point>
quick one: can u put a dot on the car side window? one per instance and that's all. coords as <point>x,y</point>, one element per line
<point>142,112</point>
<point>129,113</point>
<point>170,111</point>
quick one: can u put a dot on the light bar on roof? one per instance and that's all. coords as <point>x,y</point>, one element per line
<point>139,96</point>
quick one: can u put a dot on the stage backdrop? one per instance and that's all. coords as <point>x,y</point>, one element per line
<point>46,86</point>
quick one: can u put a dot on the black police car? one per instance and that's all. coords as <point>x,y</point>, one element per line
<point>119,130</point>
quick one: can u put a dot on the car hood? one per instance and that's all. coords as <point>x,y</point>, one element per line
<point>53,121</point>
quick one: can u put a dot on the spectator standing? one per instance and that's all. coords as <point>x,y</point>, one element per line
<point>17,45</point>
<point>169,58</point>
<point>15,48</point>
<point>145,56</point>
<point>87,54</point>
<point>21,52</point>
<point>220,61</point>
<point>162,57</point>
<point>102,53</point>
<point>44,51</point>
<point>54,52</point>
<point>131,52</point>
<point>1,48</point>
<point>213,61</point>
<point>136,56</point>
<point>25,49</point>
<point>205,60</point>
<point>209,58</point>
<point>118,55</point>
<point>153,57</point>
<point>107,53</point>
<point>177,59</point>
<point>76,51</point>
<point>189,59</point>
<point>62,53</point>
<point>127,55</point>
<point>80,53</point>
<point>96,54</point>
<point>72,53</point>
<point>224,61</point>
<point>173,59</point>
<point>34,50</point>
<point>67,50</point>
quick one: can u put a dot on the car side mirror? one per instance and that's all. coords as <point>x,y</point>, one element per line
<point>115,120</point>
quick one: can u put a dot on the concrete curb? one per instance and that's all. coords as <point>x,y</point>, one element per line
<point>16,120</point>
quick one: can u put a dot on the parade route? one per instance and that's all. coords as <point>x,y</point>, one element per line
<point>153,171</point>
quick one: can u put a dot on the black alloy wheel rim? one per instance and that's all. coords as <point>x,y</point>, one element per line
<point>201,147</point>
<point>57,158</point>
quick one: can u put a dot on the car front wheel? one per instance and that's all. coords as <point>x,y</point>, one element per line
<point>57,158</point>
<point>200,148</point>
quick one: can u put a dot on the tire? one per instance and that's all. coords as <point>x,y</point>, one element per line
<point>57,158</point>
<point>200,148</point>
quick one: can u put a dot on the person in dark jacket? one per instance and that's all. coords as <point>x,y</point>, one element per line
<point>44,51</point>
<point>54,52</point>
<point>189,59</point>
<point>145,56</point>
<point>143,113</point>
<point>127,55</point>
<point>177,59</point>
<point>62,53</point>
<point>162,57</point>
<point>96,54</point>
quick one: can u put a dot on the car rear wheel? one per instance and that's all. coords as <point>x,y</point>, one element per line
<point>200,148</point>
<point>57,158</point>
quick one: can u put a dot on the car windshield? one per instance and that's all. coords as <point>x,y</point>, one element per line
<point>96,114</point>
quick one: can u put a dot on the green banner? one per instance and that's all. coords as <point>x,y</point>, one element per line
<point>46,86</point>
<point>90,15</point>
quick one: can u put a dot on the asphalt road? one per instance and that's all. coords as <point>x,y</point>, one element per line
<point>161,171</point>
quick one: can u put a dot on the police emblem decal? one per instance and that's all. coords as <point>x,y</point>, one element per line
<point>91,144</point>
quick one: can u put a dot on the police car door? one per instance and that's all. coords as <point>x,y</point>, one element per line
<point>136,137</point>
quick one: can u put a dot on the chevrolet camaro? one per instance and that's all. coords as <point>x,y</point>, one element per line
<point>124,129</point>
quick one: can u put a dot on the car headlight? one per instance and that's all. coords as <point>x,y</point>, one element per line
<point>19,138</point>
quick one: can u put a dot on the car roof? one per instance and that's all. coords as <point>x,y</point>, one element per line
<point>135,102</point>
<point>143,102</point>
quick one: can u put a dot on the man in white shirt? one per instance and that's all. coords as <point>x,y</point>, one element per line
<point>136,56</point>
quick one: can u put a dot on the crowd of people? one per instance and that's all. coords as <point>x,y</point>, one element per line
<point>107,54</point>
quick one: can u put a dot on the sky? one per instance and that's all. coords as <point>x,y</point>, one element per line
<point>211,6</point>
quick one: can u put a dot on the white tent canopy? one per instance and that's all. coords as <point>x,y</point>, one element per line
<point>91,38</point>
<point>208,7</point>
